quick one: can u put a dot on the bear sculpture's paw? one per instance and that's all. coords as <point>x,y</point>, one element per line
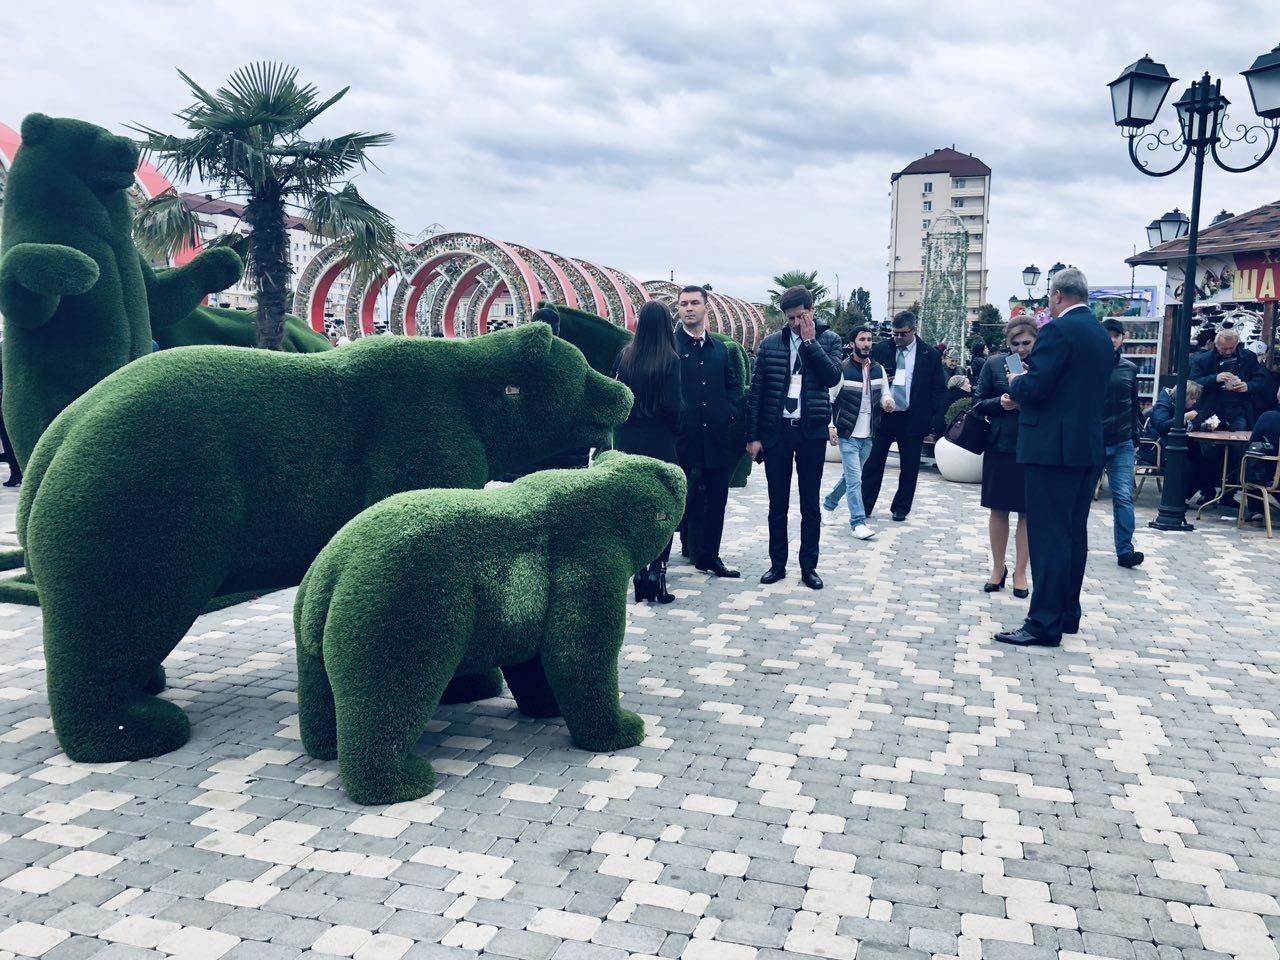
<point>623,731</point>
<point>412,780</point>
<point>51,269</point>
<point>147,727</point>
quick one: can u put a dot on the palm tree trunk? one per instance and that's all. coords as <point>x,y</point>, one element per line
<point>270,257</point>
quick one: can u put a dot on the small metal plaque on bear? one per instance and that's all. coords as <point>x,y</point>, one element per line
<point>513,391</point>
<point>662,515</point>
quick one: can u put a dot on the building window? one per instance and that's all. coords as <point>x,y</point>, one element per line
<point>928,186</point>
<point>958,183</point>
<point>977,238</point>
<point>928,206</point>
<point>510,310</point>
<point>959,201</point>
<point>924,224</point>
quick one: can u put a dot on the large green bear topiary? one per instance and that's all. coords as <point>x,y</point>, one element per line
<point>76,296</point>
<point>600,341</point>
<point>531,578</point>
<point>208,470</point>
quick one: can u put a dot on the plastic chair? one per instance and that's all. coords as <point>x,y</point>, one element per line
<point>1263,491</point>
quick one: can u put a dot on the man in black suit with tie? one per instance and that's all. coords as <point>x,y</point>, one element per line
<point>918,390</point>
<point>1060,398</point>
<point>709,382</point>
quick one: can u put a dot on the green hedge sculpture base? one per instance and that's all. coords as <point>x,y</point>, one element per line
<point>531,579</point>
<point>236,328</point>
<point>204,471</point>
<point>599,340</point>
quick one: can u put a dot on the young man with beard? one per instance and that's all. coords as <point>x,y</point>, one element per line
<point>788,415</point>
<point>856,411</point>
<point>709,382</point>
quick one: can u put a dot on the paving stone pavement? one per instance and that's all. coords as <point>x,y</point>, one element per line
<point>859,770</point>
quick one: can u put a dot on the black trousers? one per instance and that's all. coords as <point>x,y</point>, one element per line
<point>809,457</point>
<point>1058,500</point>
<point>703,525</point>
<point>893,428</point>
<point>6,452</point>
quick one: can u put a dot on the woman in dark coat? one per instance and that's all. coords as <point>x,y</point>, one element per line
<point>1003,483</point>
<point>650,366</point>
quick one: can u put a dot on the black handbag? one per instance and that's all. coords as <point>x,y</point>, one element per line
<point>1260,471</point>
<point>969,431</point>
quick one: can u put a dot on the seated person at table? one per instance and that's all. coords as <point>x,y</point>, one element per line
<point>1231,378</point>
<point>1201,476</point>
<point>1268,426</point>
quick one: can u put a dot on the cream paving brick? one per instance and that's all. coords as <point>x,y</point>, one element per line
<point>193,943</point>
<point>86,863</point>
<point>288,831</point>
<point>238,893</point>
<point>140,931</point>
<point>384,946</point>
<point>65,834</point>
<point>1039,911</point>
<point>376,826</point>
<point>37,880</point>
<point>565,925</point>
<point>699,949</point>
<point>728,864</point>
<point>342,940</point>
<point>529,794</point>
<point>469,936</point>
<point>31,939</point>
<point>995,928</point>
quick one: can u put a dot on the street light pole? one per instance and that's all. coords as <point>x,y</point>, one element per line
<point>1136,98</point>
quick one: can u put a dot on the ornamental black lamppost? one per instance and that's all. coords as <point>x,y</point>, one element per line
<point>1136,97</point>
<point>1030,277</point>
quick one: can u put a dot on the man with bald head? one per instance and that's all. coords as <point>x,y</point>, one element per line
<point>1231,379</point>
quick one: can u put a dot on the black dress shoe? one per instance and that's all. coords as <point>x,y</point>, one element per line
<point>811,579</point>
<point>1131,559</point>
<point>1072,628</point>
<point>899,516</point>
<point>1022,637</point>
<point>716,568</point>
<point>773,575</point>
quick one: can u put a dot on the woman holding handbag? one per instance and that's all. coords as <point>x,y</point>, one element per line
<point>1003,483</point>
<point>650,366</point>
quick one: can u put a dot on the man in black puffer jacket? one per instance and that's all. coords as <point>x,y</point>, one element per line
<point>788,412</point>
<point>1121,428</point>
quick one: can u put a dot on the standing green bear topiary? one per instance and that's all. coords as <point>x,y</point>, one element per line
<point>76,296</point>
<point>531,578</point>
<point>210,470</point>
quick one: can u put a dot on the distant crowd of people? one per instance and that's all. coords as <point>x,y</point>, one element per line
<point>1061,414</point>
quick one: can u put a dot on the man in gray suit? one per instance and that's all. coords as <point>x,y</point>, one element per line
<point>1060,397</point>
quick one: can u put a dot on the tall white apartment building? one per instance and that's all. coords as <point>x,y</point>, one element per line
<point>218,217</point>
<point>922,190</point>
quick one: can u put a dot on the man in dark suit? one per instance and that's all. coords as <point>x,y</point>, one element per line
<point>918,390</point>
<point>709,380</point>
<point>1061,400</point>
<point>788,414</point>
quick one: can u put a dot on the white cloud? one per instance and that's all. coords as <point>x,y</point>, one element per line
<point>726,141</point>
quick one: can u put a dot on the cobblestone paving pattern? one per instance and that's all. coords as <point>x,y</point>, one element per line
<point>856,771</point>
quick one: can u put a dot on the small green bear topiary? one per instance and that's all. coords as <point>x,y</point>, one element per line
<point>236,328</point>
<point>203,471</point>
<point>531,578</point>
<point>76,296</point>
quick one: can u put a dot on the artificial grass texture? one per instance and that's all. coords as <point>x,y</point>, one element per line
<point>76,296</point>
<point>531,579</point>
<point>12,559</point>
<point>600,341</point>
<point>237,328</point>
<point>22,589</point>
<point>203,471</point>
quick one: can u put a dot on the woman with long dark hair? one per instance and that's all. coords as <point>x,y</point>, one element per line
<point>1003,483</point>
<point>650,366</point>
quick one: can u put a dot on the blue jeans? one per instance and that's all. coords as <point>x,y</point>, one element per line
<point>853,454</point>
<point>1119,467</point>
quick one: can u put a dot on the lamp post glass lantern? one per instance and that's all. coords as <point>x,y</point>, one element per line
<point>1030,277</point>
<point>1136,97</point>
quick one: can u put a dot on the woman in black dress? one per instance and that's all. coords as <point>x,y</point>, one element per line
<point>650,366</point>
<point>1003,484</point>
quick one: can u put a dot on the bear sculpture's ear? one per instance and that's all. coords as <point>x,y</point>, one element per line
<point>35,127</point>
<point>535,343</point>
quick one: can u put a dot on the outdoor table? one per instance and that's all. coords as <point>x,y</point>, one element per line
<point>1227,439</point>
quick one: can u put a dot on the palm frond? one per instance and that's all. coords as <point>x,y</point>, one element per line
<point>165,226</point>
<point>365,234</point>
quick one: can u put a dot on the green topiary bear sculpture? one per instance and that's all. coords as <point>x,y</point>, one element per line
<point>531,578</point>
<point>76,296</point>
<point>209,470</point>
<point>236,328</point>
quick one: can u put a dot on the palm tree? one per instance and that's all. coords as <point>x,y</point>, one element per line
<point>824,310</point>
<point>248,139</point>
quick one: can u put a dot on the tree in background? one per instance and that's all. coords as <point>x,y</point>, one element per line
<point>853,313</point>
<point>824,310</point>
<point>248,139</point>
<point>989,327</point>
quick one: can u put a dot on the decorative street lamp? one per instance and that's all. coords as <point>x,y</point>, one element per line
<point>1136,98</point>
<point>1030,277</point>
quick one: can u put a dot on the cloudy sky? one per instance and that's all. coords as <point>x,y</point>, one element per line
<point>727,141</point>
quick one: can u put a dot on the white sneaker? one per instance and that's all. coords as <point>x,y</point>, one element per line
<point>828,516</point>
<point>863,532</point>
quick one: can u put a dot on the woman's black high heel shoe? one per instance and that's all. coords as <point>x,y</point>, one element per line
<point>658,578</point>
<point>989,587</point>
<point>1021,592</point>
